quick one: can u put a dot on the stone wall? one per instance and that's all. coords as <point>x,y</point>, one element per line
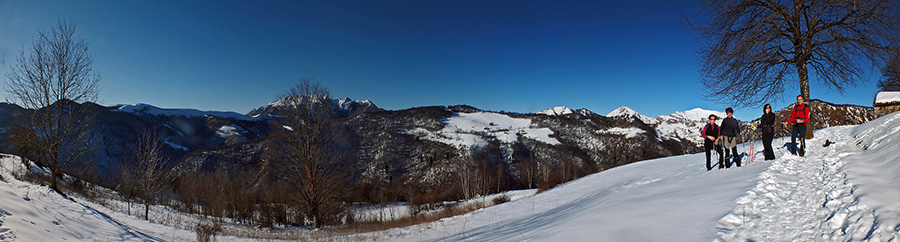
<point>882,110</point>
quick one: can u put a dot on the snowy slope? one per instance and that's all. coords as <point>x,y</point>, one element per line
<point>668,199</point>
<point>876,172</point>
<point>837,193</point>
<point>30,212</point>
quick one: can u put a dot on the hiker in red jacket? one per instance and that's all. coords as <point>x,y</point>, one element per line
<point>799,118</point>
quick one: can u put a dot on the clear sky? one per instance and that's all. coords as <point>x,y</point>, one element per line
<point>519,56</point>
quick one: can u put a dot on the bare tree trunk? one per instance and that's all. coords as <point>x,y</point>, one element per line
<point>803,72</point>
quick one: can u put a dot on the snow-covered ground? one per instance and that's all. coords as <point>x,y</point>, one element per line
<point>847,191</point>
<point>30,212</point>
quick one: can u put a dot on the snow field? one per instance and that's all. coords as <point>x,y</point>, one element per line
<point>665,199</point>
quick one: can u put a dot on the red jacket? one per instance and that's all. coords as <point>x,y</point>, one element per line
<point>801,113</point>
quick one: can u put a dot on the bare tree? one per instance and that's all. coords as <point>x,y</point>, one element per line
<point>146,173</point>
<point>750,49</point>
<point>308,156</point>
<point>50,80</point>
<point>890,74</point>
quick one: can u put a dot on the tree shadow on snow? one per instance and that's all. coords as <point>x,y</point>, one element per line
<point>130,233</point>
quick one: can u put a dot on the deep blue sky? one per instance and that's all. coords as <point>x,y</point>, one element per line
<point>519,56</point>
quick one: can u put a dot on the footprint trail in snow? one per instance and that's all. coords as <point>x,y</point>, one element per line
<point>809,194</point>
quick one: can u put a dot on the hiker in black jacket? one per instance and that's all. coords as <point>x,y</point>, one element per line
<point>710,134</point>
<point>767,126</point>
<point>730,129</point>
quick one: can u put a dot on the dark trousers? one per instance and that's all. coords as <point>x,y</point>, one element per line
<point>708,146</point>
<point>799,131</point>
<point>736,159</point>
<point>767,145</point>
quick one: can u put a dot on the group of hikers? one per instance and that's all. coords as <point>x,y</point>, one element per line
<point>716,136</point>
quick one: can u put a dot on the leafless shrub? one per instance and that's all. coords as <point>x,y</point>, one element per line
<point>145,177</point>
<point>445,212</point>
<point>500,199</point>
<point>207,231</point>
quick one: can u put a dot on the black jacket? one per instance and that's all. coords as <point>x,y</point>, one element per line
<point>731,127</point>
<point>767,123</point>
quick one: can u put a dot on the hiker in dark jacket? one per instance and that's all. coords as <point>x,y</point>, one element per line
<point>799,118</point>
<point>767,126</point>
<point>710,134</point>
<point>730,129</point>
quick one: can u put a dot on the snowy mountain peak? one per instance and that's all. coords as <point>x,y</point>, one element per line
<point>622,111</point>
<point>554,111</point>
<point>563,110</point>
<point>147,109</point>
<point>345,106</point>
<point>626,112</point>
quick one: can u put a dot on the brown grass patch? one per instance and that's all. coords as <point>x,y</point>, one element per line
<point>446,212</point>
